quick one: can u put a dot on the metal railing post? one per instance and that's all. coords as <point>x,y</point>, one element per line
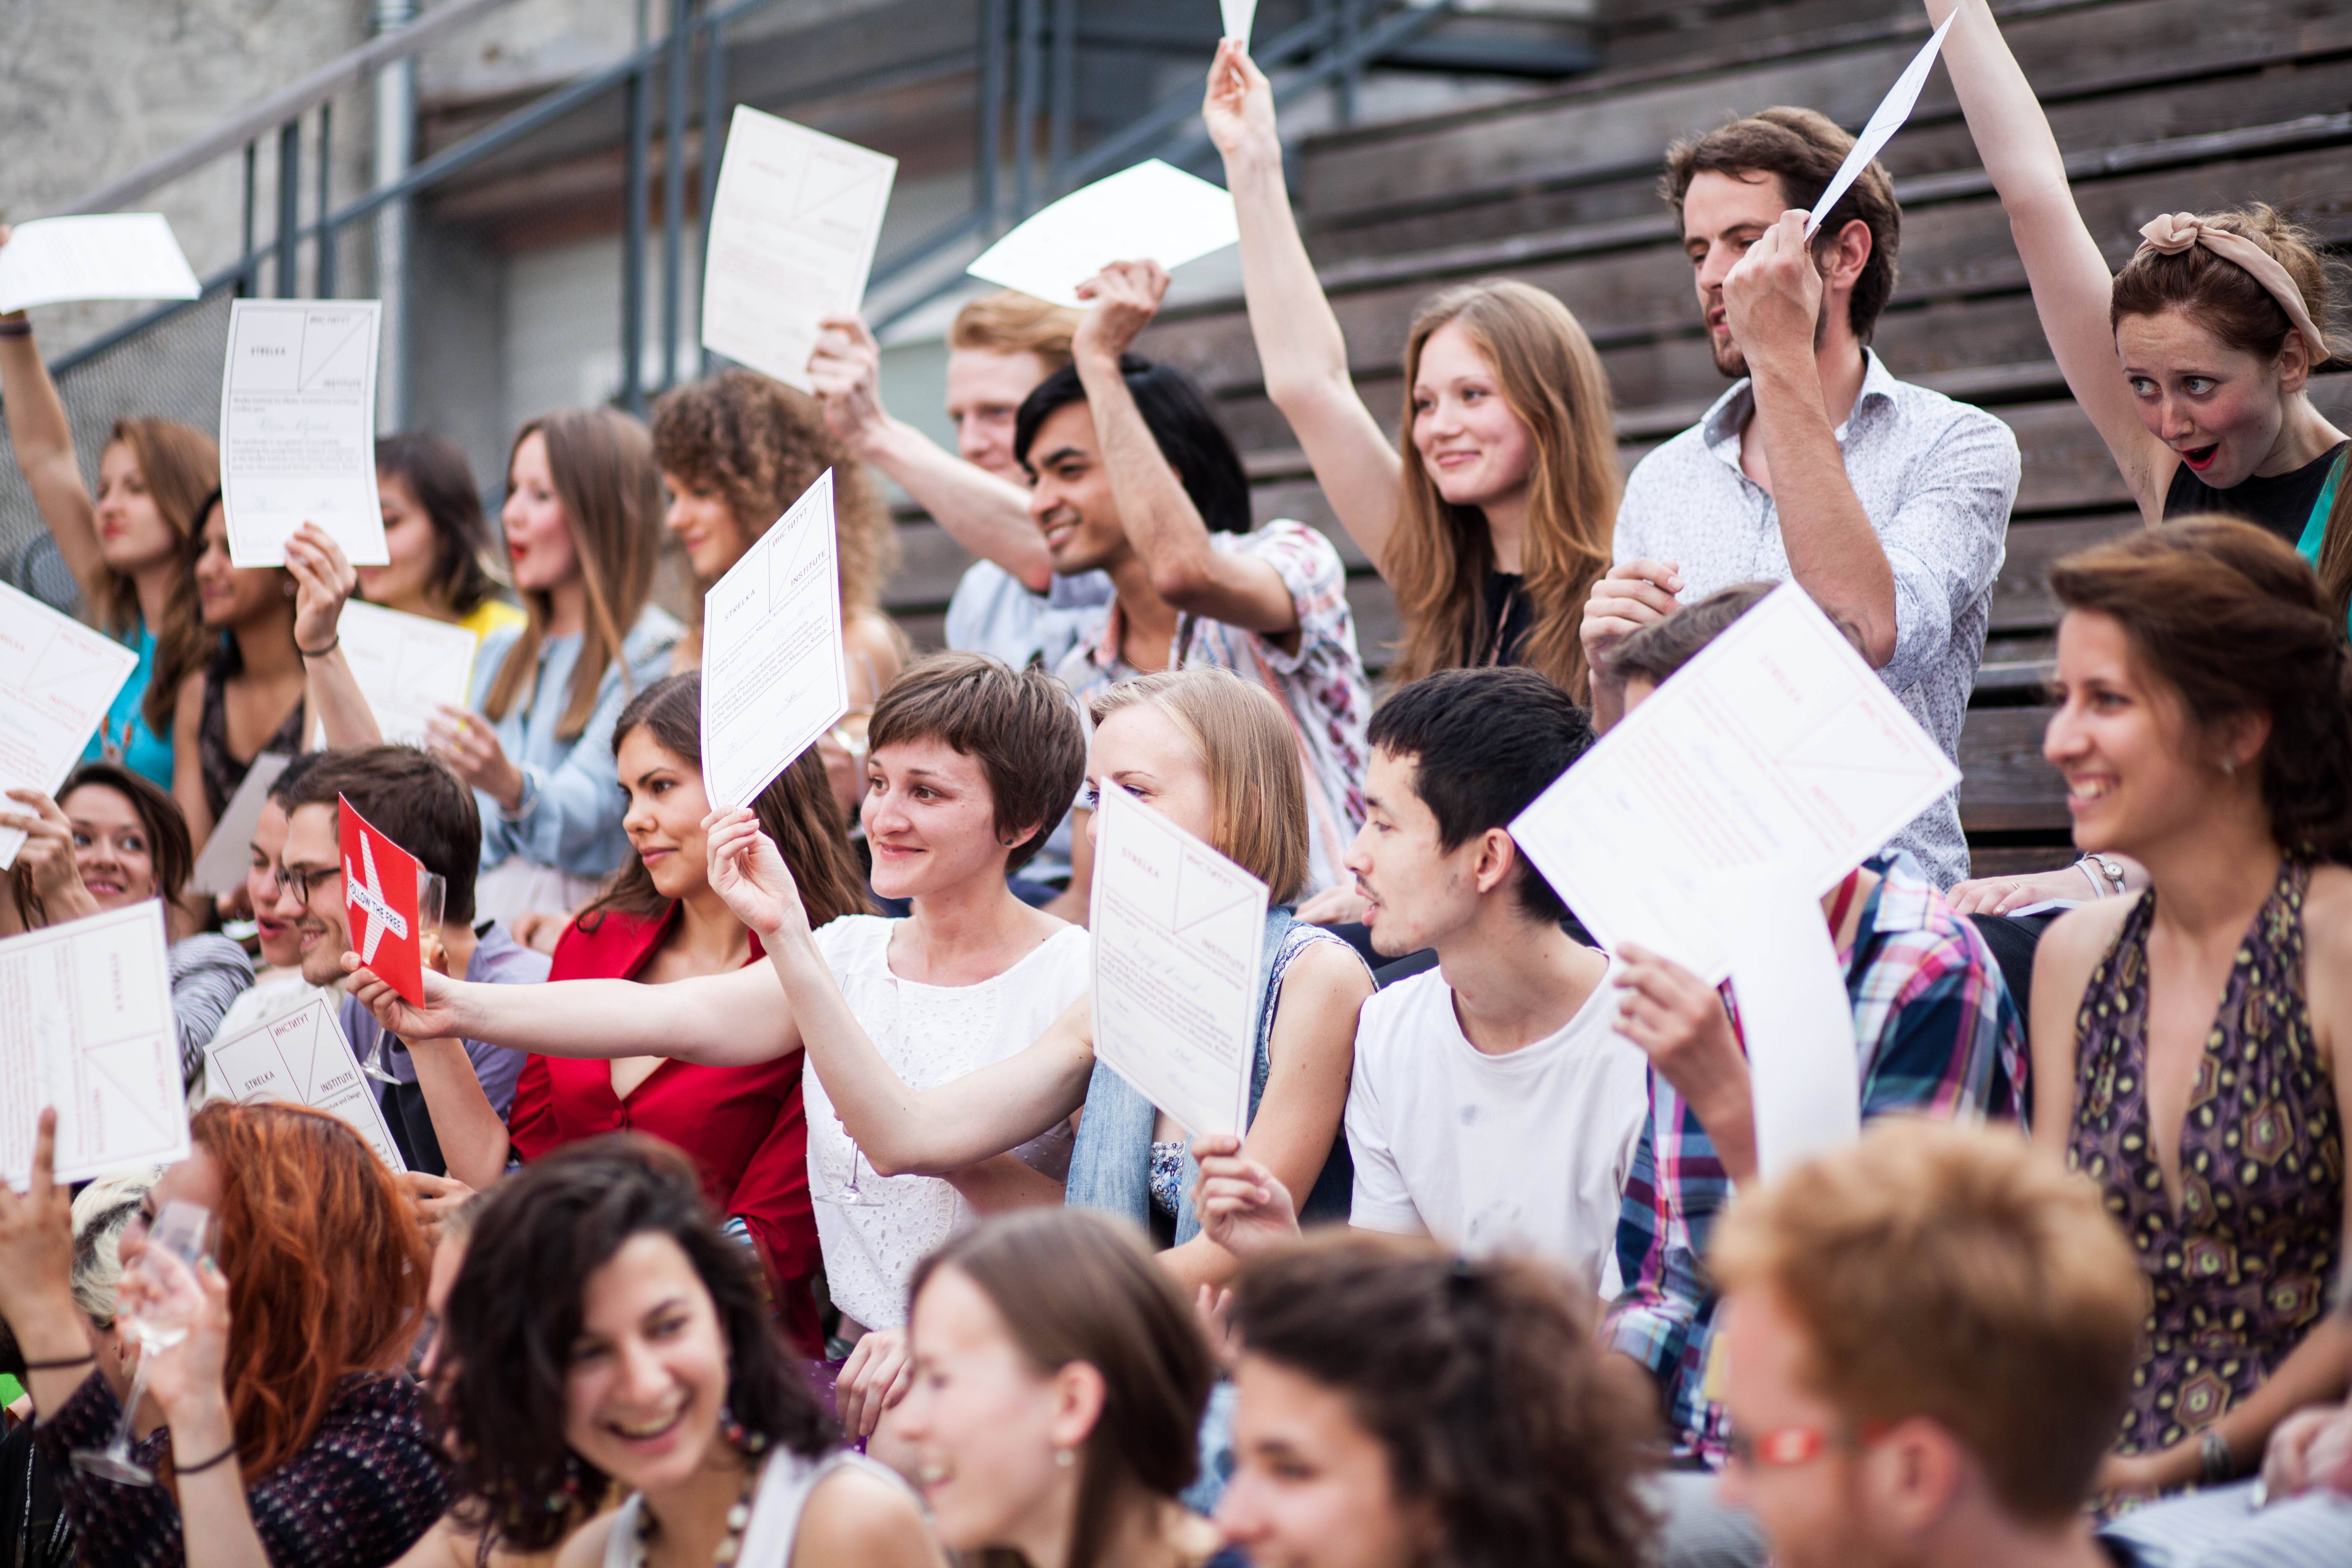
<point>1029,69</point>
<point>1351,23</point>
<point>289,206</point>
<point>1064,112</point>
<point>633,248</point>
<point>322,273</point>
<point>393,98</point>
<point>245,284</point>
<point>681,34</point>
<point>985,171</point>
<point>715,116</point>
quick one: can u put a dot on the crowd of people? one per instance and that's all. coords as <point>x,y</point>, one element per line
<point>765,1201</point>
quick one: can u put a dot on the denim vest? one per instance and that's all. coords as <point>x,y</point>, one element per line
<point>1111,1168</point>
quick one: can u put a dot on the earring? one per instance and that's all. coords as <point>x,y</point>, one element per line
<point>1065,1457</point>
<point>2229,767</point>
<point>728,1427</point>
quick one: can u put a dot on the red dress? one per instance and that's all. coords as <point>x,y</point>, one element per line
<point>743,1127</point>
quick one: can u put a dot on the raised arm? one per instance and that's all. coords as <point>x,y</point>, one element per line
<point>1299,346</point>
<point>323,580</point>
<point>43,442</point>
<point>1187,568</point>
<point>714,1020</point>
<point>472,1135</point>
<point>987,515</point>
<point>2072,285</point>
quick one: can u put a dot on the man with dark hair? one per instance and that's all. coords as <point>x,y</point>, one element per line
<point>1889,502</point>
<point>1492,1105</point>
<point>1133,476</point>
<point>1936,1034</point>
<point>412,800</point>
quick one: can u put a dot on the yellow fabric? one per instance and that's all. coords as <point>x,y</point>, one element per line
<point>489,616</point>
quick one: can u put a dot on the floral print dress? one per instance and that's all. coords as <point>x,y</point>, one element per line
<point>2240,1273</point>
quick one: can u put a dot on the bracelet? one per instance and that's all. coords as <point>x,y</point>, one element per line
<point>333,643</point>
<point>65,1365</point>
<point>2215,1463</point>
<point>178,1469</point>
<point>2098,889</point>
<point>20,328</point>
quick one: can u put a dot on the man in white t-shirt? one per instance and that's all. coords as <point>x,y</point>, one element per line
<point>1494,1106</point>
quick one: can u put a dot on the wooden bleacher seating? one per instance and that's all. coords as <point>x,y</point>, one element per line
<point>2161,105</point>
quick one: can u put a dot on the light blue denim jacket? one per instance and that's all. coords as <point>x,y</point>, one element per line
<point>1111,1168</point>
<point>571,804</point>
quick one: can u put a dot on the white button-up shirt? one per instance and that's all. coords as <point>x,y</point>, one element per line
<point>1936,479</point>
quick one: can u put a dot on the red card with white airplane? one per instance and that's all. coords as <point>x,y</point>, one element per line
<point>380,903</point>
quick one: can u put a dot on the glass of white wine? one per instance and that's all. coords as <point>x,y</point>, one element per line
<point>175,1242</point>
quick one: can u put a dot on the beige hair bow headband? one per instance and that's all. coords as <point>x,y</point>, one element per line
<point>2169,234</point>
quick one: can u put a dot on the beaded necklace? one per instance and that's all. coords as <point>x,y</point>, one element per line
<point>739,1518</point>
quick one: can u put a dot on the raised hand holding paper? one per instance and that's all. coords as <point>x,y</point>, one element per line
<point>108,256</point>
<point>1797,1022</point>
<point>1152,212</point>
<point>58,678</point>
<point>1776,746</point>
<point>1892,112</point>
<point>380,903</point>
<point>1239,15</point>
<point>1177,929</point>
<point>773,674</point>
<point>792,229</point>
<point>297,427</point>
<point>406,667</point>
<point>302,1057</point>
<point>88,1029</point>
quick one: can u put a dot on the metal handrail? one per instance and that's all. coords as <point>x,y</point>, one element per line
<point>279,107</point>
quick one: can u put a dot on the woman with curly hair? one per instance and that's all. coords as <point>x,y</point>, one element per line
<point>1399,1408</point>
<point>292,1434</point>
<point>601,1332</point>
<point>736,451</point>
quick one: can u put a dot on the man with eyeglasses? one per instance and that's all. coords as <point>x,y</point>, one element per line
<point>1929,1337</point>
<point>420,806</point>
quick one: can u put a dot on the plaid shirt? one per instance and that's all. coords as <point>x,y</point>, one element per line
<point>1937,1033</point>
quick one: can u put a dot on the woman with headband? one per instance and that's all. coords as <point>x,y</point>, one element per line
<point>2194,362</point>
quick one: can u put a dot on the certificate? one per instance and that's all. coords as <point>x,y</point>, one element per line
<point>1776,746</point>
<point>86,1025</point>
<point>107,256</point>
<point>297,427</point>
<point>1178,928</point>
<point>1797,1021</point>
<point>792,229</point>
<point>773,674</point>
<point>1885,122</point>
<point>302,1057</point>
<point>1152,212</point>
<point>406,667</point>
<point>228,853</point>
<point>58,677</point>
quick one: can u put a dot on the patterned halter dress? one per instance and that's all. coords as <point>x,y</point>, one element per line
<point>2240,1273</point>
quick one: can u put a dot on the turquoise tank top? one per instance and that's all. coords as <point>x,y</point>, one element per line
<point>125,737</point>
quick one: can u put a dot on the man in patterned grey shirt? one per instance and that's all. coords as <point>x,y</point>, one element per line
<point>1887,501</point>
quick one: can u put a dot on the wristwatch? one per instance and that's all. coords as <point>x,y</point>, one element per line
<point>2105,874</point>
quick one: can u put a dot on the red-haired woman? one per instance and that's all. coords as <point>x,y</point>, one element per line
<point>294,1435</point>
<point>658,920</point>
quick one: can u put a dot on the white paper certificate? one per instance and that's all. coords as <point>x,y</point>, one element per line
<point>406,667</point>
<point>86,1025</point>
<point>107,255</point>
<point>792,229</point>
<point>1885,122</point>
<point>297,427</point>
<point>302,1057</point>
<point>58,677</point>
<point>1178,928</point>
<point>1803,1071</point>
<point>228,853</point>
<point>1152,212</point>
<point>1776,746</point>
<point>774,675</point>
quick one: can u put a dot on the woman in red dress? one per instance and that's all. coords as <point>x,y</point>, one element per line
<point>657,920</point>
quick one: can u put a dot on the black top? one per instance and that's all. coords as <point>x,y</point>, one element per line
<point>2281,503</point>
<point>1504,619</point>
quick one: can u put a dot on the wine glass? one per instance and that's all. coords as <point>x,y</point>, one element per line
<point>175,1242</point>
<point>432,895</point>
<point>850,1195</point>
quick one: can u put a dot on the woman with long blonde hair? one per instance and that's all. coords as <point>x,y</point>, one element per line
<point>583,521</point>
<point>1492,514</point>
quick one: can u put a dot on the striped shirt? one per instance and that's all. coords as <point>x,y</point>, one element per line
<point>1321,687</point>
<point>209,972</point>
<point>1936,1034</point>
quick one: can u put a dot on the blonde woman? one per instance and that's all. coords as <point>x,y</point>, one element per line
<point>1491,515</point>
<point>582,524</point>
